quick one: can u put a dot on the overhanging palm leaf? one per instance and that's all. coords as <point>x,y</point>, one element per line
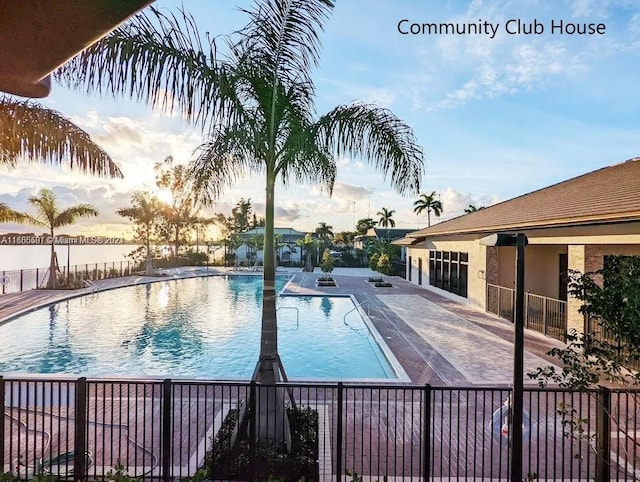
<point>8,215</point>
<point>378,136</point>
<point>27,129</point>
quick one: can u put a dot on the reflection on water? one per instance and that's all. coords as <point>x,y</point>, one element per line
<point>200,327</point>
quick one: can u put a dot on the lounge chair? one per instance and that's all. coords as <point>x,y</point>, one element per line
<point>62,465</point>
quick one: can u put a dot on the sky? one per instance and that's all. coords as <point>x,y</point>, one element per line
<point>511,102</point>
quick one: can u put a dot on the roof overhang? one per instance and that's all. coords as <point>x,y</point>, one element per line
<point>406,241</point>
<point>38,36</point>
<point>531,226</point>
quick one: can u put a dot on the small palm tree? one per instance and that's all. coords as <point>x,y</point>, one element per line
<point>50,216</point>
<point>386,218</point>
<point>145,212</point>
<point>430,203</point>
<point>30,130</point>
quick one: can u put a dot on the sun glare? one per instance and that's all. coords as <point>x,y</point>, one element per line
<point>165,196</point>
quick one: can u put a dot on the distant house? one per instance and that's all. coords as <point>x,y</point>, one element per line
<point>287,250</point>
<point>572,225</point>
<point>388,234</point>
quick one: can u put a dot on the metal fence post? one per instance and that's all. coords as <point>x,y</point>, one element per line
<point>166,430</point>
<point>426,457</point>
<point>544,316</point>
<point>339,435</point>
<point>2,434</point>
<point>252,425</point>
<point>80,435</point>
<point>21,278</point>
<point>603,434</point>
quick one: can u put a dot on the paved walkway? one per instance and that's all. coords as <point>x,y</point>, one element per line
<point>436,340</point>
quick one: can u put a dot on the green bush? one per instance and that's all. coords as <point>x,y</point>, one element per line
<point>384,265</point>
<point>373,261</point>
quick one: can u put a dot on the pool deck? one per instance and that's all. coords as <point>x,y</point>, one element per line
<point>437,340</point>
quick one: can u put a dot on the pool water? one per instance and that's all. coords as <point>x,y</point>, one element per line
<point>195,328</point>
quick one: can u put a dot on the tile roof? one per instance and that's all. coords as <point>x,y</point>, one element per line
<point>607,195</point>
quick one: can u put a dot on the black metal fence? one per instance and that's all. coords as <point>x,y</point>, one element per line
<point>170,429</point>
<point>72,276</point>
<point>541,313</point>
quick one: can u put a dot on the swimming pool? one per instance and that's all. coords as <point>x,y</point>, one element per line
<point>194,328</point>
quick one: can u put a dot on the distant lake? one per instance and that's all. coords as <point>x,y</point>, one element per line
<point>30,257</point>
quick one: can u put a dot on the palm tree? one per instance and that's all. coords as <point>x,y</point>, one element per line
<point>257,105</point>
<point>430,203</point>
<point>386,218</point>
<point>8,215</point>
<point>32,131</point>
<point>363,225</point>
<point>145,212</point>
<point>50,216</point>
<point>472,209</point>
<point>324,231</point>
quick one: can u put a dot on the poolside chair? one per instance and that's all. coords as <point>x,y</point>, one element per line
<point>62,465</point>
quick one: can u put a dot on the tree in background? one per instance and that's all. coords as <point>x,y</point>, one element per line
<point>384,264</point>
<point>145,212</point>
<point>257,105</point>
<point>327,264</point>
<point>324,237</point>
<point>386,218</point>
<point>364,225</point>
<point>51,216</point>
<point>306,244</point>
<point>181,212</point>
<point>429,203</point>
<point>472,209</point>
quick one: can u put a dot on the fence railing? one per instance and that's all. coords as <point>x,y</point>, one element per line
<point>29,279</point>
<point>170,429</point>
<point>541,313</point>
<point>593,326</point>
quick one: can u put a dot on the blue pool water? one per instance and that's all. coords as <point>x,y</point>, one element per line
<point>196,328</point>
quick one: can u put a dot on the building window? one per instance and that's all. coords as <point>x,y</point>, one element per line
<point>448,270</point>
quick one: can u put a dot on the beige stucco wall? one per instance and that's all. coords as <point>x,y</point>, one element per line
<point>585,248</point>
<point>542,263</point>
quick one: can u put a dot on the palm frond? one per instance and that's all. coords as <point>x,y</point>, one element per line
<point>73,213</point>
<point>300,156</point>
<point>8,215</point>
<point>34,221</point>
<point>377,136</point>
<point>46,207</point>
<point>158,59</point>
<point>227,157</point>
<point>28,129</point>
<point>282,36</point>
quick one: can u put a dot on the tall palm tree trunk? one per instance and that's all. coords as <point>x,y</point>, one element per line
<point>428,216</point>
<point>270,417</point>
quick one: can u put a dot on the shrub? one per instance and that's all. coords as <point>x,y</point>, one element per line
<point>373,261</point>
